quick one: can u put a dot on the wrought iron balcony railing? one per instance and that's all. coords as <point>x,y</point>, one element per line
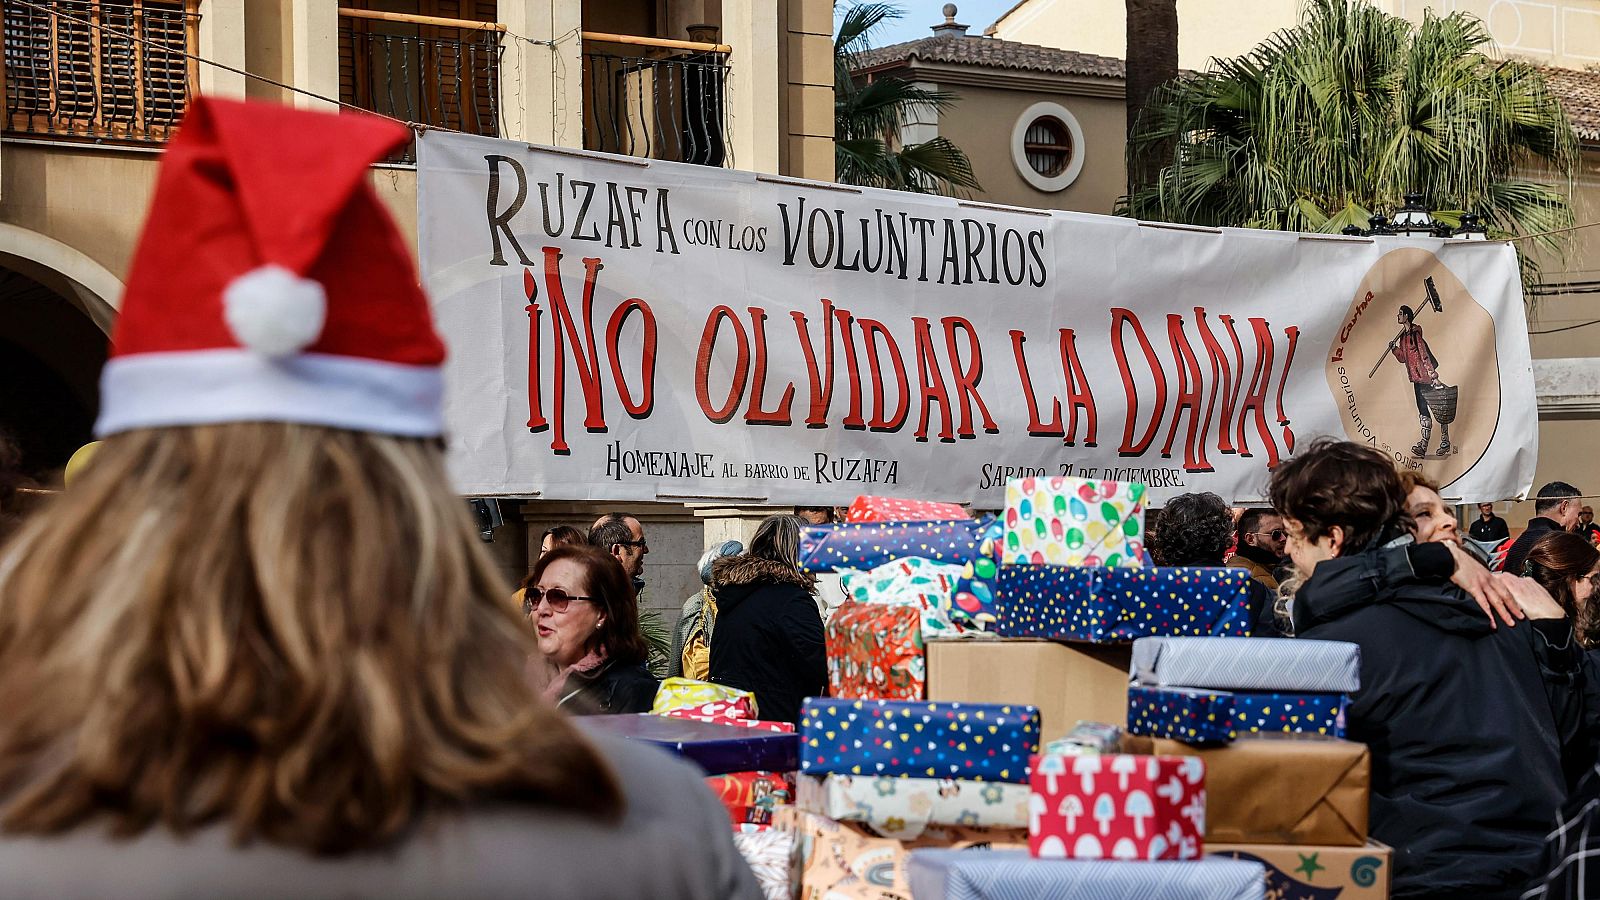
<point>422,71</point>
<point>111,71</point>
<point>669,106</point>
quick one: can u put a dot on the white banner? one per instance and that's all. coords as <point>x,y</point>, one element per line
<point>623,329</point>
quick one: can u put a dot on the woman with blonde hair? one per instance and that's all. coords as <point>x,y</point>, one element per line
<point>257,650</point>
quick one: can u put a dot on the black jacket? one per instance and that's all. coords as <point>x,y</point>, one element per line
<point>612,688</point>
<point>1537,526</point>
<point>1489,530</point>
<point>1461,719</point>
<point>769,635</point>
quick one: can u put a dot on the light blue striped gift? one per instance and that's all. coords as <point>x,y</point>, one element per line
<point>1014,875</point>
<point>1247,664</point>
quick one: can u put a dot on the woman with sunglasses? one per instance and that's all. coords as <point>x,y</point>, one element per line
<point>587,621</point>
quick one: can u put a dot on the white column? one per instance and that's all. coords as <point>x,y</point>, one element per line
<point>541,85</point>
<point>222,40</point>
<point>754,82</point>
<point>315,26</point>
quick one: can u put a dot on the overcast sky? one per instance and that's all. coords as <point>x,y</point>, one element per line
<point>920,15</point>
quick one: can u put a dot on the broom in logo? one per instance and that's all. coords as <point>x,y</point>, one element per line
<point>1436,400</point>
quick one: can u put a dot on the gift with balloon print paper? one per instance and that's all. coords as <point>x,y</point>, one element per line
<point>1074,522</point>
<point>972,603</point>
<point>1118,806</point>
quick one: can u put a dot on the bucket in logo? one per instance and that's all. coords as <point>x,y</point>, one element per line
<point>1414,368</point>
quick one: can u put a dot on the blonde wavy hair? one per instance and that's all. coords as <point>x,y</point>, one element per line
<point>289,629</point>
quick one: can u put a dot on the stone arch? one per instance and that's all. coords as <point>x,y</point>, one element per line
<point>81,281</point>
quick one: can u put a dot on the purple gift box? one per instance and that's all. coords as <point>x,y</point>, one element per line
<point>717,749</point>
<point>867,545</point>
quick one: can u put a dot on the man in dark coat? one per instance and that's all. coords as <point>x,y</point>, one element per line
<point>1555,509</point>
<point>1488,527</point>
<point>1461,716</point>
<point>769,638</point>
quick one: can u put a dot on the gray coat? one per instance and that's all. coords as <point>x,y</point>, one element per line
<point>674,842</point>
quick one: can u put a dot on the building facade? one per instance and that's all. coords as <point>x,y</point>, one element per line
<point>94,88</point>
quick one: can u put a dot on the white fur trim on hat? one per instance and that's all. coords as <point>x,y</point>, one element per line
<point>148,390</point>
<point>273,311</point>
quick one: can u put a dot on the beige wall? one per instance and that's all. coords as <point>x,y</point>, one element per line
<point>807,112</point>
<point>92,200</point>
<point>981,124</point>
<point>1581,263</point>
<point>1559,32</point>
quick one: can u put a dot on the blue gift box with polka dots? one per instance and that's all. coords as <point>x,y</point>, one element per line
<point>1200,715</point>
<point>1119,605</point>
<point>918,739</point>
<point>867,545</point>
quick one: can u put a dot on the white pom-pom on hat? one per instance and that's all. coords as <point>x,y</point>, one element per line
<point>273,311</point>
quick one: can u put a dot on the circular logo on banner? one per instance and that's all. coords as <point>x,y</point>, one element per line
<point>1414,369</point>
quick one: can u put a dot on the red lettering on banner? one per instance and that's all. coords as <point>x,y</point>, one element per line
<point>931,383</point>
<point>702,366</point>
<point>755,415</point>
<point>1079,396</point>
<point>536,419</point>
<point>647,357</point>
<point>1190,383</point>
<point>1293,334</point>
<point>852,419</point>
<point>967,376</point>
<point>1036,428</point>
<point>871,329</point>
<point>821,382</point>
<point>1256,397</point>
<point>1221,381</point>
<point>584,356</point>
<point>1129,447</point>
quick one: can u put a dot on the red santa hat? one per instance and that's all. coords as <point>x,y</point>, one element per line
<point>270,284</point>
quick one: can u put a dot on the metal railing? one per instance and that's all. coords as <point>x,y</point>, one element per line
<point>668,106</point>
<point>112,71</point>
<point>441,77</point>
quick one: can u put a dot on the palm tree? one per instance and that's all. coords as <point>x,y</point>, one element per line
<point>868,115</point>
<point>1152,60</point>
<point>1323,124</point>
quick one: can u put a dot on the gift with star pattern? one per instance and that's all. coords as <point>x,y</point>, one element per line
<point>1204,715</point>
<point>1117,806</point>
<point>897,738</point>
<point>1119,605</point>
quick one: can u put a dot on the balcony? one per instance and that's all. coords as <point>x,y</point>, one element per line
<point>427,70</point>
<point>107,71</point>
<point>655,98</point>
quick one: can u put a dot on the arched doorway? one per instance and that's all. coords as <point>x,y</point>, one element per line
<point>51,352</point>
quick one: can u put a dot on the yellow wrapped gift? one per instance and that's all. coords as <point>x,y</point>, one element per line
<point>688,694</point>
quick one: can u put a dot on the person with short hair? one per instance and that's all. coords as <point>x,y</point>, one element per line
<point>769,638</point>
<point>588,627</point>
<point>622,536</point>
<point>815,515</point>
<point>1195,531</point>
<point>690,656</point>
<point>1555,508</point>
<point>1461,716</point>
<point>1488,528</point>
<point>1259,540</point>
<point>1586,526</point>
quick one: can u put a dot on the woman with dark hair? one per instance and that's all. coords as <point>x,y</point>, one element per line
<point>560,535</point>
<point>1196,530</point>
<point>1569,568</point>
<point>769,635</point>
<point>588,626</point>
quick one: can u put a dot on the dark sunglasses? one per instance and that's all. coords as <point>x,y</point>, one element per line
<point>1276,534</point>
<point>641,544</point>
<point>558,599</point>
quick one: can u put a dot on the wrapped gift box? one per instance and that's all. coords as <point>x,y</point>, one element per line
<point>826,548</point>
<point>841,861</point>
<point>750,797</point>
<point>1200,715</point>
<point>912,581</point>
<point>875,652</point>
<point>1313,872</point>
<point>1280,788</point>
<point>1074,522</point>
<point>689,694</point>
<point>1119,806</point>
<point>691,715</point>
<point>970,741</point>
<point>972,604</point>
<point>1248,664</point>
<point>770,855</point>
<point>1008,875</point>
<point>1117,605</point>
<point>867,508</point>
<point>716,749</point>
<point>902,808</point>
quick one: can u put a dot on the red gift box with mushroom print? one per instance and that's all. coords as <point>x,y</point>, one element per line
<point>867,508</point>
<point>1118,806</point>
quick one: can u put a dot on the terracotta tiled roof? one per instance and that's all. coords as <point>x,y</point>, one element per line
<point>1579,93</point>
<point>994,54</point>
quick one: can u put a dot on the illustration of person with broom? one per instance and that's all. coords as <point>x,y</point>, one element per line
<point>1422,368</point>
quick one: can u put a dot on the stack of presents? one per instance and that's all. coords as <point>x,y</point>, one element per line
<point>1026,707</point>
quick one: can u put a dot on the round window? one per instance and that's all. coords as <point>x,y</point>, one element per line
<point>1047,146</point>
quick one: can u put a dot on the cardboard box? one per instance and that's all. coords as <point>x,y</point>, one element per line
<point>1320,873</point>
<point>1067,682</point>
<point>1280,789</point>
